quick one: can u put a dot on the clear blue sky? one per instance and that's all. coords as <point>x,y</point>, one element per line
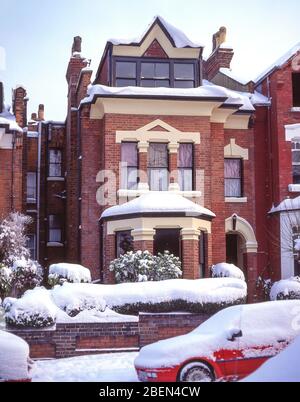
<point>37,36</point>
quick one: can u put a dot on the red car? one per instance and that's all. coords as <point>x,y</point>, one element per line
<point>14,358</point>
<point>229,346</point>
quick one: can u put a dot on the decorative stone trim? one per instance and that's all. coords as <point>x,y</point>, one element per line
<point>236,200</point>
<point>143,234</point>
<point>294,188</point>
<point>190,234</point>
<point>292,131</point>
<point>143,146</point>
<point>232,150</point>
<point>173,147</point>
<point>245,229</point>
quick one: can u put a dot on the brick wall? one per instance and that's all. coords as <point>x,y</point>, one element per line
<point>68,340</point>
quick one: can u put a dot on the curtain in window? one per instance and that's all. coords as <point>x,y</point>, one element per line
<point>55,162</point>
<point>158,155</point>
<point>185,167</point>
<point>31,186</point>
<point>129,159</point>
<point>55,230</point>
<point>233,185</point>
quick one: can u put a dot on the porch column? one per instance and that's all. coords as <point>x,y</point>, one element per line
<point>143,239</point>
<point>143,165</point>
<point>250,267</point>
<point>173,166</point>
<point>108,256</point>
<point>190,253</point>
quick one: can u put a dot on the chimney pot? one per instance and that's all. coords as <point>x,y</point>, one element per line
<point>41,112</point>
<point>34,116</point>
<point>76,48</point>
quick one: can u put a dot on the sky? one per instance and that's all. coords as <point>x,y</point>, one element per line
<point>36,36</point>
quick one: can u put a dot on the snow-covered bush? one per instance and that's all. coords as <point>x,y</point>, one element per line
<point>142,266</point>
<point>73,273</point>
<point>224,270</point>
<point>286,289</point>
<point>6,278</point>
<point>13,238</point>
<point>27,274</point>
<point>35,309</point>
<point>196,296</point>
<point>74,298</point>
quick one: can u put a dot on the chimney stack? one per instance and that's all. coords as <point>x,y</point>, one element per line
<point>41,113</point>
<point>76,48</point>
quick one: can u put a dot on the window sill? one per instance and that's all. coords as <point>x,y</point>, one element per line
<point>31,201</point>
<point>294,188</point>
<point>236,200</point>
<point>295,109</point>
<point>55,179</point>
<point>54,244</point>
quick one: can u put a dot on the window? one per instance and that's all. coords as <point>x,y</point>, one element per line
<point>185,167</point>
<point>202,253</point>
<point>125,73</point>
<point>31,245</point>
<point>167,240</point>
<point>124,242</point>
<point>158,167</point>
<point>233,177</point>
<point>155,75</point>
<point>55,229</point>
<point>296,161</point>
<point>129,159</point>
<point>296,235</point>
<point>296,89</point>
<point>31,187</point>
<point>55,163</point>
<point>184,75</point>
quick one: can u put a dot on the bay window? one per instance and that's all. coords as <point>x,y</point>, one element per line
<point>124,242</point>
<point>129,161</point>
<point>125,74</point>
<point>296,161</point>
<point>155,75</point>
<point>185,167</point>
<point>233,178</point>
<point>158,167</point>
<point>184,75</point>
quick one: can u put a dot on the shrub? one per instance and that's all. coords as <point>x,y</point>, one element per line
<point>6,279</point>
<point>72,273</point>
<point>142,266</point>
<point>27,274</point>
<point>286,289</point>
<point>224,270</point>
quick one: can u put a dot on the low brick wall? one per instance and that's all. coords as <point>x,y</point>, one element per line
<point>68,340</point>
<point>155,327</point>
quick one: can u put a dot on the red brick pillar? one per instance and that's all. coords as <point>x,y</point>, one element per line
<point>190,253</point>
<point>173,165</point>
<point>109,254</point>
<point>218,194</point>
<point>143,165</point>
<point>250,264</point>
<point>143,239</point>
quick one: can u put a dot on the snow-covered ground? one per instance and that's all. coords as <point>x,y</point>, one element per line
<point>112,367</point>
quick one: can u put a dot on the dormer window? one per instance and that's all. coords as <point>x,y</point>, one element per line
<point>152,73</point>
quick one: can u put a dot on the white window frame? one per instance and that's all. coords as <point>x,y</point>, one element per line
<point>31,198</point>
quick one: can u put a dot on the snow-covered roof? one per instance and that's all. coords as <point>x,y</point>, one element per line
<point>7,118</point>
<point>178,37</point>
<point>279,63</point>
<point>158,202</point>
<point>289,204</point>
<point>207,91</point>
<point>229,73</point>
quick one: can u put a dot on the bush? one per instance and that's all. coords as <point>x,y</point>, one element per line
<point>286,289</point>
<point>224,270</point>
<point>71,273</point>
<point>142,266</point>
<point>6,279</point>
<point>27,274</point>
<point>27,320</point>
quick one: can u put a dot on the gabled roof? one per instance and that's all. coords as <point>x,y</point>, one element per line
<point>175,35</point>
<point>278,63</point>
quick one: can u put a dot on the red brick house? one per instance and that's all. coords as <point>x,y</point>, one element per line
<point>167,150</point>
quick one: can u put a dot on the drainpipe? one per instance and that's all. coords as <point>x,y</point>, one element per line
<point>270,139</point>
<point>12,204</point>
<point>38,191</point>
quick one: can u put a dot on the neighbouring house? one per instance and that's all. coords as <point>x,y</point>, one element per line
<point>167,150</point>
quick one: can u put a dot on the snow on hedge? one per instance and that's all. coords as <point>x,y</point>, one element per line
<point>71,272</point>
<point>34,309</point>
<point>14,354</point>
<point>224,270</point>
<point>92,316</point>
<point>286,289</point>
<point>217,291</point>
<point>262,325</point>
<point>284,367</point>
